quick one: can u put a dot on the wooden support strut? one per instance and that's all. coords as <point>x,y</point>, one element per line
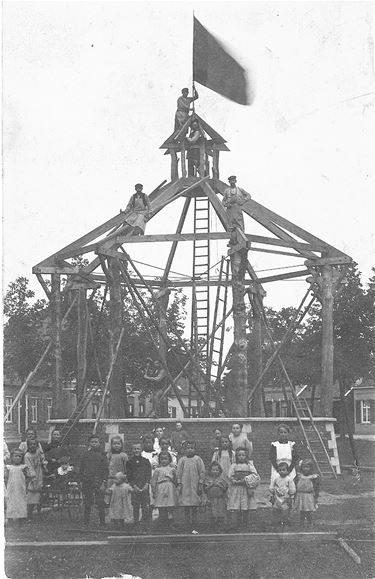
<point>179,339</point>
<point>133,294</point>
<point>297,412</point>
<point>293,324</point>
<point>202,346</point>
<point>106,388</point>
<point>34,371</point>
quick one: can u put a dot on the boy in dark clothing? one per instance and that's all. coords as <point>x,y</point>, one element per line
<point>139,476</point>
<point>94,474</point>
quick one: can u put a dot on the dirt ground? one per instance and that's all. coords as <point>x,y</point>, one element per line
<point>347,508</point>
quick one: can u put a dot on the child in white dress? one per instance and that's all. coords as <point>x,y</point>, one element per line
<point>308,486</point>
<point>224,454</point>
<point>163,484</point>
<point>283,450</point>
<point>120,506</point>
<point>190,476</point>
<point>16,475</point>
<point>283,490</point>
<point>243,479</point>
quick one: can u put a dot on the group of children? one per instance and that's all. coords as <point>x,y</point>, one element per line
<point>164,473</point>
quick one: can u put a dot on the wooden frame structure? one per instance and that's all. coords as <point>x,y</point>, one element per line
<point>108,248</point>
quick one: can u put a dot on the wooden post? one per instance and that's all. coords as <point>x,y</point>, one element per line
<point>239,401</point>
<point>162,299</point>
<point>257,407</point>
<point>81,343</point>
<point>326,395</point>
<point>215,163</point>
<point>174,165</point>
<point>55,304</point>
<point>183,161</point>
<point>117,400</point>
<point>202,160</point>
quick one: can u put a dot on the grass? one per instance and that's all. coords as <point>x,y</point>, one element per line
<point>346,508</point>
<point>237,561</point>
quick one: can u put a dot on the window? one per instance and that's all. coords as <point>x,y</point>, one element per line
<point>49,408</point>
<point>141,409</point>
<point>284,409</point>
<point>34,410</point>
<point>8,405</point>
<point>365,412</point>
<point>172,411</point>
<point>268,408</point>
<point>131,409</point>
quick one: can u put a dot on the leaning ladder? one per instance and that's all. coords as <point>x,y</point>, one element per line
<point>220,309</point>
<point>314,442</point>
<point>313,439</point>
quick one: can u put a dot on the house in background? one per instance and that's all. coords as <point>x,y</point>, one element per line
<point>364,406</point>
<point>33,409</point>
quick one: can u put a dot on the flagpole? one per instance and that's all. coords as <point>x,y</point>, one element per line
<point>192,67</point>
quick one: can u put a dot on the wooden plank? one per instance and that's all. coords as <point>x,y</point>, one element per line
<point>344,545</point>
<point>55,269</point>
<point>328,261</point>
<point>78,251</point>
<point>215,235</point>
<point>222,538</point>
<point>53,544</point>
<point>92,266</point>
<point>218,206</point>
<point>183,538</point>
<point>275,251</point>
<point>183,191</point>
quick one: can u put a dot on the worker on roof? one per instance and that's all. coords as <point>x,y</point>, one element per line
<point>138,210</point>
<point>193,142</point>
<point>233,199</point>
<point>183,107</point>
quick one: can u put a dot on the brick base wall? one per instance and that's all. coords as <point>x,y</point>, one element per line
<point>260,431</point>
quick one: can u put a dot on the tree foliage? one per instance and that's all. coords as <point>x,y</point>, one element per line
<point>24,330</point>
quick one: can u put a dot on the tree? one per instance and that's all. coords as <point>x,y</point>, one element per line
<point>25,331</point>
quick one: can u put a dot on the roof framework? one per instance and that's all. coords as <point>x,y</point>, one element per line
<point>108,247</point>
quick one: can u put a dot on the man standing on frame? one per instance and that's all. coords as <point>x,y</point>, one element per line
<point>183,107</point>
<point>234,198</point>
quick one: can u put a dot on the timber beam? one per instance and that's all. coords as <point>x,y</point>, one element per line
<point>339,260</point>
<point>120,239</point>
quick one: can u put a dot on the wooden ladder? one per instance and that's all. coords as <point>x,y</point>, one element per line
<point>314,442</point>
<point>215,359</point>
<point>201,265</point>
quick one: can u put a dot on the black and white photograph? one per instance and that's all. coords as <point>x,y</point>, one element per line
<point>188,289</point>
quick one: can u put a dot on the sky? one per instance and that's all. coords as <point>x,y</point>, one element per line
<point>89,95</point>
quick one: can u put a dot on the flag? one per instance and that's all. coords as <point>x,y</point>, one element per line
<point>216,69</point>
